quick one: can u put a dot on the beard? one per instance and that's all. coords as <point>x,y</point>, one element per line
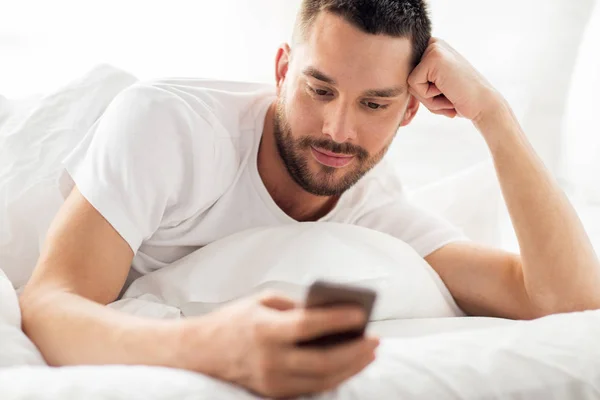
<point>327,181</point>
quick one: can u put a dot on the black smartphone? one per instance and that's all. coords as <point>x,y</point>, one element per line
<point>328,294</point>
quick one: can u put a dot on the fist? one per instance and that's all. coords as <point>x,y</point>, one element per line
<point>253,343</point>
<point>447,84</point>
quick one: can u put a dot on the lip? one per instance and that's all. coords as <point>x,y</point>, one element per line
<point>330,159</point>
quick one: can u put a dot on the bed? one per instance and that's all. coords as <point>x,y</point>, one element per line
<point>430,349</point>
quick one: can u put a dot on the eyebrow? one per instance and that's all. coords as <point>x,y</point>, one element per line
<point>388,92</point>
<point>315,73</point>
<point>391,92</point>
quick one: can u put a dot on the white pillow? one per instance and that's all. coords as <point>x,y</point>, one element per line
<point>470,199</point>
<point>33,143</point>
<point>15,347</point>
<point>4,109</point>
<point>555,357</point>
<point>552,358</point>
<point>290,258</point>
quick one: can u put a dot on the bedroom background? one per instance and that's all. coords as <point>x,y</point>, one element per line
<point>543,55</point>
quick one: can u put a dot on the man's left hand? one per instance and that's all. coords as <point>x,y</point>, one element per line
<point>447,84</point>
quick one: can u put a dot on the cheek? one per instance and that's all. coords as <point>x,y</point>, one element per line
<point>303,114</point>
<point>376,133</point>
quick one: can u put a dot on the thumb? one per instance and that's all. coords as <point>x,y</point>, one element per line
<point>277,301</point>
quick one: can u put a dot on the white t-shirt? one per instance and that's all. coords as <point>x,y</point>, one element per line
<point>172,166</point>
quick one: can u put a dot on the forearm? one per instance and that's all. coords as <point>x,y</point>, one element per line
<point>69,330</point>
<point>561,271</point>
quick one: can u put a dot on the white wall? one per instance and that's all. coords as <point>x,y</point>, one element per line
<point>580,161</point>
<point>526,48</point>
<point>43,43</point>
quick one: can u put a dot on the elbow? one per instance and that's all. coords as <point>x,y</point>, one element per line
<point>29,302</point>
<point>33,302</point>
<point>567,304</point>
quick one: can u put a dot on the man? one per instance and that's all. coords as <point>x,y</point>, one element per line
<point>173,165</point>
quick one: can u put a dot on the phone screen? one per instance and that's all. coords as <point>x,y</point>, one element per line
<point>328,294</point>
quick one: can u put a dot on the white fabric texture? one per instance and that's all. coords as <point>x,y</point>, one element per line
<point>580,129</point>
<point>15,348</point>
<point>552,358</point>
<point>35,135</point>
<point>32,188</point>
<point>289,258</point>
<point>172,165</point>
<point>442,358</point>
<point>470,199</point>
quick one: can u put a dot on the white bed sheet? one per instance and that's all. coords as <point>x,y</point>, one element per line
<point>36,133</point>
<point>552,358</point>
<point>556,357</point>
<point>420,358</point>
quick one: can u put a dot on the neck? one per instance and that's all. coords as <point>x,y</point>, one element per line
<point>287,194</point>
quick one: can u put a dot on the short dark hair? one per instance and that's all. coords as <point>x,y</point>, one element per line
<point>396,18</point>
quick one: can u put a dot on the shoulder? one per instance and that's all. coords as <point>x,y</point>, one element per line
<point>226,106</point>
<point>379,187</point>
<point>204,116</point>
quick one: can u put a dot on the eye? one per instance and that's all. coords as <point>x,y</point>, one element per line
<point>319,92</point>
<point>374,106</point>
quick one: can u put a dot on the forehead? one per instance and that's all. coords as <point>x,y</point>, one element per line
<point>339,49</point>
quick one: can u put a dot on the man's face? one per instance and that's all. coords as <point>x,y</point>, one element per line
<point>342,96</point>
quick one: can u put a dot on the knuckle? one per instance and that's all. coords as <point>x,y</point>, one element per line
<point>268,386</point>
<point>301,325</point>
<point>259,331</point>
<point>267,295</point>
<point>436,52</point>
<point>412,79</point>
<point>265,365</point>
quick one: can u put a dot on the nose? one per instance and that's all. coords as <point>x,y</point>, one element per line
<point>339,122</point>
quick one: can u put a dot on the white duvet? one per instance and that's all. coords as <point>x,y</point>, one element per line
<point>439,357</point>
<point>429,349</point>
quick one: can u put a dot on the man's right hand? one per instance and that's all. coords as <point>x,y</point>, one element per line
<point>252,342</point>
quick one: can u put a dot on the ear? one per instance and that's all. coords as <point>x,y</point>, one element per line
<point>411,110</point>
<point>282,62</point>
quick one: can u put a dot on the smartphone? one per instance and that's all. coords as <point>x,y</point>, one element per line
<point>328,294</point>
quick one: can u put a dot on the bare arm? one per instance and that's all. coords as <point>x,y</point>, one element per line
<point>560,269</point>
<point>251,342</point>
<point>557,270</point>
<point>83,266</point>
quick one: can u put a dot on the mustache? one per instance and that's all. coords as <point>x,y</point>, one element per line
<point>340,148</point>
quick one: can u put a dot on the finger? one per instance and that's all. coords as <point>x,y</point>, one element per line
<point>419,79</point>
<point>296,385</point>
<point>277,301</point>
<point>447,113</point>
<point>316,384</point>
<point>304,324</point>
<point>432,91</point>
<point>335,380</point>
<point>326,361</point>
<point>439,102</point>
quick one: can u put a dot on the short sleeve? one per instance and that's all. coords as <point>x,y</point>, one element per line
<point>421,229</point>
<point>132,163</point>
<point>382,205</point>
